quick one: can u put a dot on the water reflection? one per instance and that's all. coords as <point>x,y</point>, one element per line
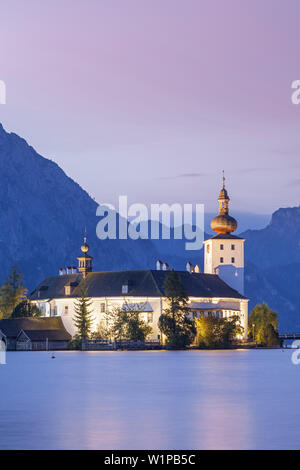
<point>153,400</point>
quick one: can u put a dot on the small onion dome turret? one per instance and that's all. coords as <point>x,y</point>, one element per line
<point>85,247</point>
<point>223,223</point>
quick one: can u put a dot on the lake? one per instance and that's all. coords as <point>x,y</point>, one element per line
<point>241,399</point>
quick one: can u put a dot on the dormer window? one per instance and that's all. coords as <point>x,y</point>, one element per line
<point>67,290</point>
<point>125,289</point>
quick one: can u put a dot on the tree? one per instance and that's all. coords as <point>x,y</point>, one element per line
<point>268,336</point>
<point>26,309</point>
<point>82,318</point>
<point>263,323</point>
<point>214,332</point>
<point>174,322</point>
<point>124,323</point>
<point>12,292</point>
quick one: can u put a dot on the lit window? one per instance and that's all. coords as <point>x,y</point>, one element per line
<point>221,260</point>
<point>221,247</point>
<point>150,317</point>
<point>207,248</point>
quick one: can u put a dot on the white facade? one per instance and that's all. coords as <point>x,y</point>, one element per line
<point>153,308</point>
<point>225,257</point>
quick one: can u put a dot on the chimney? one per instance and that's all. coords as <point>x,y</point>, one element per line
<point>158,265</point>
<point>62,271</point>
<point>197,268</point>
<point>189,267</point>
<point>165,267</point>
<point>74,270</point>
<point>69,270</point>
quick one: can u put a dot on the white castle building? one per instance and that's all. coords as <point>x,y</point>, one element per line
<point>218,291</point>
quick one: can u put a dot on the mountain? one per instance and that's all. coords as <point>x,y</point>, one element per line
<point>272,259</point>
<point>278,243</point>
<point>43,214</point>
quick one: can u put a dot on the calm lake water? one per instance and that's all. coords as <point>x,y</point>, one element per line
<point>153,400</point>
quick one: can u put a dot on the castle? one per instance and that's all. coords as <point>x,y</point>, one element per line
<point>219,291</point>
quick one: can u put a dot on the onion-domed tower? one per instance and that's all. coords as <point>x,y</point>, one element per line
<point>84,260</point>
<point>223,223</point>
<point>224,253</point>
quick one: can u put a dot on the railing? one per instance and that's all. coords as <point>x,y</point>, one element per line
<point>289,336</point>
<point>105,345</point>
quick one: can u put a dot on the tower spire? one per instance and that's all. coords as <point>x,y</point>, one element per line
<point>85,260</point>
<point>223,199</point>
<point>223,223</point>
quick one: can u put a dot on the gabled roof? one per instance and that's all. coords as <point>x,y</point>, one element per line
<point>43,335</point>
<point>12,326</point>
<point>148,283</point>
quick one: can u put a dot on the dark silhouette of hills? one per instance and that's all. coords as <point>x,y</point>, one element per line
<point>43,214</point>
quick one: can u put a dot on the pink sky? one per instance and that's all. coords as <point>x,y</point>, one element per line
<point>154,98</point>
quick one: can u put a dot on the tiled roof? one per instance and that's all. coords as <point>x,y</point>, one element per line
<point>148,283</point>
<point>51,335</point>
<point>12,326</point>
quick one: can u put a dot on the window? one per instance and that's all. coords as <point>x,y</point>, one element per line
<point>221,260</point>
<point>102,307</point>
<point>233,247</point>
<point>207,248</point>
<point>150,317</point>
<point>66,310</point>
<point>233,260</point>
<point>221,247</point>
<point>53,312</point>
<point>125,289</point>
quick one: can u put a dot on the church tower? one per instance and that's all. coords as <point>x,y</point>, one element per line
<point>85,260</point>
<point>224,253</point>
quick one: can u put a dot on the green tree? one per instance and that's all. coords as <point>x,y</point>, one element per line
<point>263,323</point>
<point>214,332</point>
<point>268,336</point>
<point>12,292</point>
<point>26,309</point>
<point>124,323</point>
<point>82,318</point>
<point>174,322</point>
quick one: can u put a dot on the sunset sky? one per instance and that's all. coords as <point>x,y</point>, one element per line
<point>154,98</point>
